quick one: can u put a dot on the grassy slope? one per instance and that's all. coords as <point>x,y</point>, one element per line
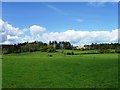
<point>38,70</point>
<point>0,71</point>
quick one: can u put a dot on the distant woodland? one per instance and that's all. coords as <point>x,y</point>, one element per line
<point>53,46</point>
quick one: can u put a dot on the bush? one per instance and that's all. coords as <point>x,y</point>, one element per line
<point>44,49</point>
<point>70,53</point>
<point>104,51</point>
<point>90,53</point>
<point>50,55</point>
<point>51,49</point>
<point>31,50</point>
<point>117,50</point>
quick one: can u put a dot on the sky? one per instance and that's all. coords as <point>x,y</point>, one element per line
<point>78,22</point>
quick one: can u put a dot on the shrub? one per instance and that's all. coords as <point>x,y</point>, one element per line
<point>117,50</point>
<point>50,55</point>
<point>70,53</point>
<point>104,51</point>
<point>44,49</point>
<point>51,48</point>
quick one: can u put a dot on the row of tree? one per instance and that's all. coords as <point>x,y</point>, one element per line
<point>36,46</point>
<point>53,45</point>
<point>104,47</point>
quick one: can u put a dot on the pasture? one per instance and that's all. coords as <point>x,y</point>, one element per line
<point>38,70</point>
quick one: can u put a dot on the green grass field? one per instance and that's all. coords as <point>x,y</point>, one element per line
<point>38,70</point>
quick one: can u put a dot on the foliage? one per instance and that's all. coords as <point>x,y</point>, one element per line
<point>44,48</point>
<point>35,46</point>
<point>104,50</point>
<point>70,53</point>
<point>94,46</point>
<point>50,55</point>
<point>51,48</point>
<point>117,49</point>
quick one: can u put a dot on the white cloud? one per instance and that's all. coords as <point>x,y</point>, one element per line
<point>80,37</point>
<point>10,34</point>
<point>3,37</point>
<point>11,30</point>
<point>28,39</point>
<point>12,38</point>
<point>1,25</point>
<point>36,30</point>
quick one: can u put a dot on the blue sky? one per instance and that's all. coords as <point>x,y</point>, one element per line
<point>21,15</point>
<point>61,16</point>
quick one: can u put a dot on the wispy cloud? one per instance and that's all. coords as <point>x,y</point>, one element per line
<point>59,11</point>
<point>79,20</point>
<point>96,4</point>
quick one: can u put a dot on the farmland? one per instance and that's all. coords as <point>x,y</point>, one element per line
<point>40,70</point>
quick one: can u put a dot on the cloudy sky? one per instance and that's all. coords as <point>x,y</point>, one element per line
<point>80,23</point>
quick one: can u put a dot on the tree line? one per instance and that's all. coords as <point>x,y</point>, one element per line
<point>104,47</point>
<point>36,46</point>
<point>52,46</point>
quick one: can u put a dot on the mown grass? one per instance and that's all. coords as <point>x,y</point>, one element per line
<point>38,70</point>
